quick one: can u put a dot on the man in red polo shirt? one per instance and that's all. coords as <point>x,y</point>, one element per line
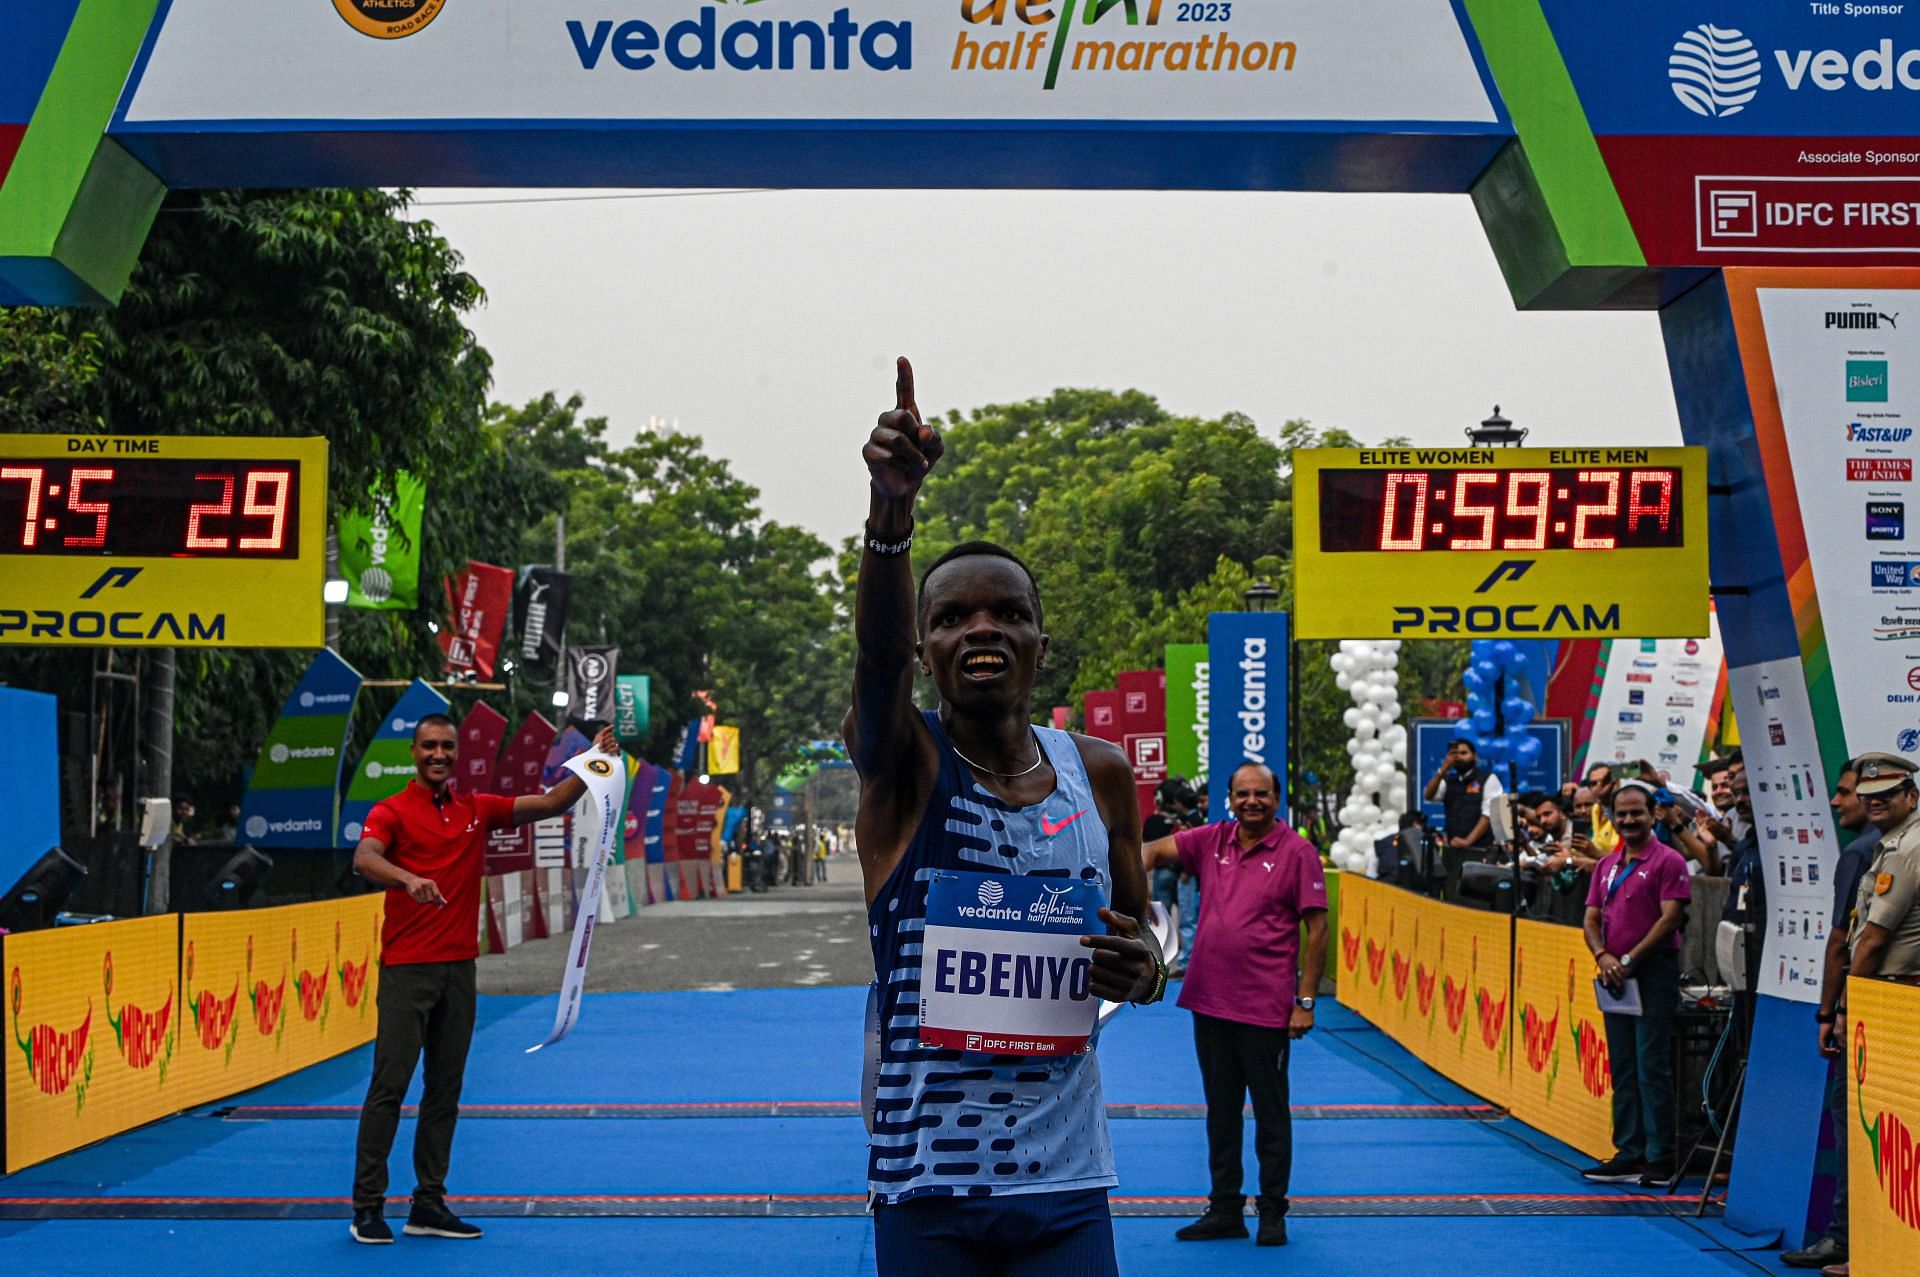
<point>426,846</point>
<point>1250,991</point>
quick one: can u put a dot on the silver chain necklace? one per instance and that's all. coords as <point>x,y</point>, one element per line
<point>1038,757</point>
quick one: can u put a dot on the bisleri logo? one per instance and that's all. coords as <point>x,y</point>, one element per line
<point>1715,71</point>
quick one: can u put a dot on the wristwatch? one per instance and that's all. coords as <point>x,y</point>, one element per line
<point>1305,1004</point>
<point>1627,960</point>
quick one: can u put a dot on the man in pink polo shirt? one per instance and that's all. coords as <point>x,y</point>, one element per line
<point>1635,908</point>
<point>1250,991</point>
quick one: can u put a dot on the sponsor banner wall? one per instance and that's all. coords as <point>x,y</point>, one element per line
<point>380,549</point>
<point>1658,701</point>
<point>1187,709</point>
<point>540,601</point>
<point>1247,699</point>
<point>1562,1079</point>
<point>1883,1142</point>
<point>293,793</point>
<point>519,772</point>
<point>95,1013</point>
<point>1143,730</point>
<point>1798,842</point>
<point>1846,376</point>
<point>481,732</point>
<point>477,600</point>
<point>270,991</point>
<point>1432,976</point>
<point>387,766</point>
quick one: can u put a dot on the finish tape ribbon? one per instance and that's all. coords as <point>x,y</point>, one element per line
<point>605,779</point>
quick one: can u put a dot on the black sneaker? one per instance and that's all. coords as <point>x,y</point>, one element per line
<point>370,1227</point>
<point>1823,1252</point>
<point>1658,1175</point>
<point>1220,1223</point>
<point>1273,1226</point>
<point>435,1220</point>
<point>1615,1170</point>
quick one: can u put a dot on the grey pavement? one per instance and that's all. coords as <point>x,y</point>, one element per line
<point>788,937</point>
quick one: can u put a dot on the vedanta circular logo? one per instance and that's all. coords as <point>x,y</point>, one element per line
<point>1715,70</point>
<point>388,19</point>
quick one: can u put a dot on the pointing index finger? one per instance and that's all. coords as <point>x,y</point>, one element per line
<point>903,388</point>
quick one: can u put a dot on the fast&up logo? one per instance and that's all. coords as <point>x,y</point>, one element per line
<point>1858,433</point>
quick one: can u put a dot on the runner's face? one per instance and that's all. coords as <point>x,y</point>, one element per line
<point>982,641</point>
<point>435,748</point>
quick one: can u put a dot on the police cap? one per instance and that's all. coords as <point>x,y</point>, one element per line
<point>1881,774</point>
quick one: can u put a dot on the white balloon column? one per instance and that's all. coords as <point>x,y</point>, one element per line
<point>1371,673</point>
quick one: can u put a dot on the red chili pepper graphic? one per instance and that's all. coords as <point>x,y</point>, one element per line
<point>267,1000</point>
<point>212,1014</point>
<point>1896,1154</point>
<point>56,1060</point>
<point>1424,982</point>
<point>1402,973</point>
<point>1596,1069</point>
<point>1493,1019</point>
<point>1376,962</point>
<point>144,1036</point>
<point>311,986</point>
<point>1350,948</point>
<point>1454,999</point>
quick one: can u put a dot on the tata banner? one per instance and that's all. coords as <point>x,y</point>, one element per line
<point>1247,674</point>
<point>1187,709</point>
<point>291,796</point>
<point>540,601</point>
<point>380,550</point>
<point>590,685</point>
<point>387,766</point>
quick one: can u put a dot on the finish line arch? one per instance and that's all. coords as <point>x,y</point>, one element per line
<point>1750,170</point>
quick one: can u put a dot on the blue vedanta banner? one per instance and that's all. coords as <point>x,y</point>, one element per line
<point>1247,691</point>
<point>30,760</point>
<point>656,818</point>
<point>387,766</point>
<point>293,793</point>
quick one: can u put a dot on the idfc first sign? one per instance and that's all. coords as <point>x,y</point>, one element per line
<point>1247,717</point>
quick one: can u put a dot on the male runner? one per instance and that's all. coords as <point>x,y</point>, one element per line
<point>979,1164</point>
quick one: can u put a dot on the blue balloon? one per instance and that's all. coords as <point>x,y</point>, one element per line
<point>1482,721</point>
<point>1488,671</point>
<point>1482,649</point>
<point>1476,702</point>
<point>1504,652</point>
<point>1519,711</point>
<point>1526,751</point>
<point>1464,730</point>
<point>1493,749</point>
<point>1475,682</point>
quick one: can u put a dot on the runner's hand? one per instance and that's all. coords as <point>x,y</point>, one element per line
<point>605,743</point>
<point>1123,968</point>
<point>902,449</point>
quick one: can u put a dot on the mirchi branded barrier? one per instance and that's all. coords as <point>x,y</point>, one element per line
<point>121,1023</point>
<point>1883,1138</point>
<point>1562,1082</point>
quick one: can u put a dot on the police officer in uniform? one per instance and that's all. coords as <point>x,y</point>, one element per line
<point>1883,935</point>
<point>1466,790</point>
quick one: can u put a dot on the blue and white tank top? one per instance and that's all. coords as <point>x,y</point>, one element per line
<point>959,1123</point>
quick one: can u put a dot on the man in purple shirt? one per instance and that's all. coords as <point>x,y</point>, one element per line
<point>1635,907</point>
<point>1250,991</point>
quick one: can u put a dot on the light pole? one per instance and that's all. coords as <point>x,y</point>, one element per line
<point>1260,596</point>
<point>1496,432</point>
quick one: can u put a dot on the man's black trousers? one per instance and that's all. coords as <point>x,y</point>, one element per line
<point>424,1007</point>
<point>1238,1060</point>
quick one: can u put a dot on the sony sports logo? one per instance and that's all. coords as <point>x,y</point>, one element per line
<point>1716,71</point>
<point>388,19</point>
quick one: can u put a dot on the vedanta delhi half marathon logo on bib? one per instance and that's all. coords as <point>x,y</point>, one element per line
<point>388,19</point>
<point>1715,70</point>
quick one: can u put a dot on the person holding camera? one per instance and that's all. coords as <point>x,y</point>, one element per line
<point>1465,790</point>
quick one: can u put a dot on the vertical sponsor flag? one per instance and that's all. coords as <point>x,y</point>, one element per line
<point>540,601</point>
<point>1187,709</point>
<point>292,797</point>
<point>1247,682</point>
<point>481,732</point>
<point>632,707</point>
<point>387,766</point>
<point>1102,711</point>
<point>550,836</point>
<point>380,549</point>
<point>1143,730</point>
<point>590,685</point>
<point>478,599</point>
<point>723,751</point>
<point>511,850</point>
<point>691,755</point>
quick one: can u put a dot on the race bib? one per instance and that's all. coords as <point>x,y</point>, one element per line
<point>1002,969</point>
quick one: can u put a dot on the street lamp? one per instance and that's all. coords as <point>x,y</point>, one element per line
<point>1261,596</point>
<point>1496,432</point>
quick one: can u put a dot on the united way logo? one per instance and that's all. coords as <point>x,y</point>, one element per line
<point>388,19</point>
<point>1715,71</point>
<point>992,893</point>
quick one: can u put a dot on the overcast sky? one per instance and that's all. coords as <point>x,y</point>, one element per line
<point>766,322</point>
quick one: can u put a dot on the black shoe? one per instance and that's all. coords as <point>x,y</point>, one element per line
<point>1219,1224</point>
<point>1819,1255</point>
<point>1615,1170</point>
<point>1658,1175</point>
<point>370,1227</point>
<point>435,1220</point>
<point>1273,1226</point>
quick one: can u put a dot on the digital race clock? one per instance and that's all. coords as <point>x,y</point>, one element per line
<point>1500,542</point>
<point>171,540</point>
